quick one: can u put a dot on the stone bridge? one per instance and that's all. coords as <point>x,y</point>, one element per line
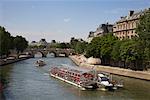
<point>57,52</point>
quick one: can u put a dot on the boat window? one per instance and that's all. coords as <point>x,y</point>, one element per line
<point>104,79</point>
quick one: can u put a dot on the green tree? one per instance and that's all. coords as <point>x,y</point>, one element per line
<point>130,52</point>
<point>63,45</point>
<point>143,31</point>
<point>80,47</point>
<point>20,43</point>
<point>115,54</point>
<point>93,49</point>
<point>107,44</point>
<point>73,42</point>
<point>5,41</point>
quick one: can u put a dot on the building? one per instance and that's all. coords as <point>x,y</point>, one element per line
<point>33,43</point>
<point>125,27</point>
<point>42,42</point>
<point>103,29</point>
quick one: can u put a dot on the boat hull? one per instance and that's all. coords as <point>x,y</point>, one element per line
<point>72,83</point>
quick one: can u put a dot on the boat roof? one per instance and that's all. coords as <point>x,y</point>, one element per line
<point>74,69</point>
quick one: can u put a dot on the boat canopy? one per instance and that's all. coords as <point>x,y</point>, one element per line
<point>83,72</point>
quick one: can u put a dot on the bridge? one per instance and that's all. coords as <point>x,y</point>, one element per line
<point>57,52</point>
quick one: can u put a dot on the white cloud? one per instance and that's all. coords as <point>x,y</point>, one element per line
<point>67,19</point>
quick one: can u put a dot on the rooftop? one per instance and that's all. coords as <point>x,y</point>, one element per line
<point>133,15</point>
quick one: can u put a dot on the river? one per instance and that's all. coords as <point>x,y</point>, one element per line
<point>27,82</point>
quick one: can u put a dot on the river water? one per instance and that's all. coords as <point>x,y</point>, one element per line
<point>27,82</point>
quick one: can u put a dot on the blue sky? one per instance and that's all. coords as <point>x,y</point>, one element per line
<point>62,19</point>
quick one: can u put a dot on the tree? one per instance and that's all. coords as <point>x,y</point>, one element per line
<point>130,52</point>
<point>143,31</point>
<point>107,44</point>
<point>80,47</point>
<point>73,42</point>
<point>20,43</point>
<point>5,41</point>
<point>115,54</point>
<point>93,49</point>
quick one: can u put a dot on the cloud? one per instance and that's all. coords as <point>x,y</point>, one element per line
<point>67,20</point>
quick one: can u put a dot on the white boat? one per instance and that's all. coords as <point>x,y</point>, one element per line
<point>83,79</point>
<point>40,63</point>
<point>105,82</point>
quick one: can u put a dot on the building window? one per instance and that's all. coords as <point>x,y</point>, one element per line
<point>132,36</point>
<point>132,31</point>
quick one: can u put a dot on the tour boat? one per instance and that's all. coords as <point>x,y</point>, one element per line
<point>40,63</point>
<point>81,79</point>
<point>84,79</point>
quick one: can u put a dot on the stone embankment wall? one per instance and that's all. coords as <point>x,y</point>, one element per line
<point>144,75</point>
<point>3,62</point>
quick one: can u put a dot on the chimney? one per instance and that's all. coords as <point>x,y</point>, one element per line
<point>131,12</point>
<point>121,17</point>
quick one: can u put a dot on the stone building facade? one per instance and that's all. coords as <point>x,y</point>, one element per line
<point>125,27</point>
<point>100,31</point>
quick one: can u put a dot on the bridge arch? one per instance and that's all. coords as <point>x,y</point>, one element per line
<point>56,52</point>
<point>38,54</point>
<point>62,54</point>
<point>51,54</point>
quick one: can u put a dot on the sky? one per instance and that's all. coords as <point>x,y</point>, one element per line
<point>62,19</point>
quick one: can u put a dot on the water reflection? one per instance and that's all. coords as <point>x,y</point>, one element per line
<point>38,54</point>
<point>51,55</point>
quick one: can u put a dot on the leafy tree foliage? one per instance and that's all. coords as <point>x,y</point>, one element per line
<point>110,49</point>
<point>115,54</point>
<point>8,42</point>
<point>80,47</point>
<point>5,41</point>
<point>101,47</point>
<point>132,52</point>
<point>93,49</point>
<point>143,31</point>
<point>63,45</point>
<point>20,43</point>
<point>73,42</point>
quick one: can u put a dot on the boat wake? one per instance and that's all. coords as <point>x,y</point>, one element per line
<point>46,74</point>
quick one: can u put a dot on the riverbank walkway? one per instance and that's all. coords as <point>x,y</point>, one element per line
<point>81,62</point>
